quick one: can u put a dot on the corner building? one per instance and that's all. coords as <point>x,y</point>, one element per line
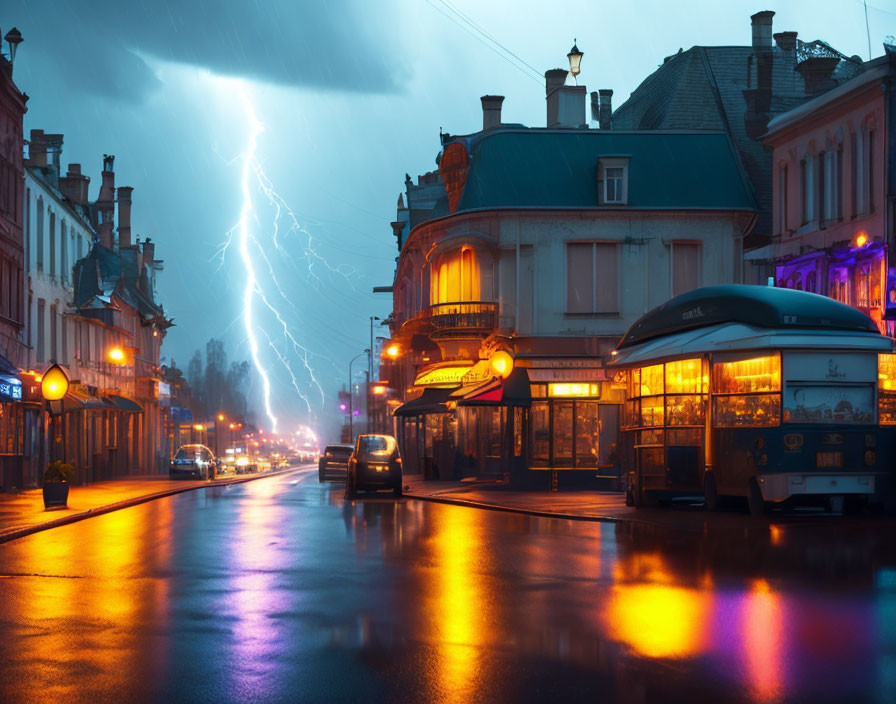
<point>523,260</point>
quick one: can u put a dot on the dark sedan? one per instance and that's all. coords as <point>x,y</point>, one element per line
<point>334,462</point>
<point>193,462</point>
<point>375,464</point>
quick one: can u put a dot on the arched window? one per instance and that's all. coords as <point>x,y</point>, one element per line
<point>456,277</point>
<point>811,286</point>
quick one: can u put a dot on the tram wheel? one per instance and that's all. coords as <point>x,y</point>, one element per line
<point>755,502</point>
<point>710,492</point>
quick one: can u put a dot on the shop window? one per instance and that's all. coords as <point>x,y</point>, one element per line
<point>540,429</point>
<point>564,432</point>
<point>746,393</point>
<point>863,279</point>
<point>839,287</point>
<point>886,388</point>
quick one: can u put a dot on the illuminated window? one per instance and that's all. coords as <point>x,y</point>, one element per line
<point>456,278</point>
<point>886,386</point>
<point>747,392</point>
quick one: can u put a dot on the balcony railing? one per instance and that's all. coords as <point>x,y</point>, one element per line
<point>448,318</point>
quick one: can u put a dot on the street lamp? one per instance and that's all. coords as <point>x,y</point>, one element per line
<point>575,61</point>
<point>351,412</point>
<point>54,384</point>
<point>13,38</point>
<point>393,351</point>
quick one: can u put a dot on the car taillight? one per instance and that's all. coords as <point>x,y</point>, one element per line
<point>398,460</point>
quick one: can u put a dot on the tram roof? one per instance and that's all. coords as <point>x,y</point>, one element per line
<point>759,306</point>
<point>730,337</point>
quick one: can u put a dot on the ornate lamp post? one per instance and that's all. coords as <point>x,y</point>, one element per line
<point>575,61</point>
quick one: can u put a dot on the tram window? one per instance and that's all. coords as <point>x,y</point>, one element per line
<point>651,380</point>
<point>651,411</point>
<point>747,411</point>
<point>757,375</point>
<point>686,377</point>
<point>886,386</point>
<point>684,410</point>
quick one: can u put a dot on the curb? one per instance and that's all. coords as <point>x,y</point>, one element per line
<point>17,533</point>
<point>514,509</point>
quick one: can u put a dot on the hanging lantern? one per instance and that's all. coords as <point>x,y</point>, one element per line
<point>54,385</point>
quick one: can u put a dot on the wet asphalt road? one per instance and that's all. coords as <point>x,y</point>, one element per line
<point>278,590</point>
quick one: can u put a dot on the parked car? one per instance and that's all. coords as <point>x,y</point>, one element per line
<point>375,464</point>
<point>333,464</point>
<point>193,462</point>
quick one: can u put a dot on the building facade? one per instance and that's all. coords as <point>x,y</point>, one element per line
<point>523,260</point>
<point>18,431</point>
<point>739,89</point>
<point>833,193</point>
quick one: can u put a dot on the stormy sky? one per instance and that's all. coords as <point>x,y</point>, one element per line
<point>352,94</point>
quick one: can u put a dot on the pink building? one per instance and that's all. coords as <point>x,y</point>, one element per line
<point>833,206</point>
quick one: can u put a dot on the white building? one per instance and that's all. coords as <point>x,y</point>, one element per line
<point>57,234</point>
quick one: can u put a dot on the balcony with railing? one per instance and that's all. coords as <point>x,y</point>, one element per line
<point>454,319</point>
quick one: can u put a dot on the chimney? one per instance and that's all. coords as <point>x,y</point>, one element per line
<point>105,203</point>
<point>149,251</point>
<point>37,149</point>
<point>491,111</point>
<point>762,30</point>
<point>53,144</point>
<point>758,94</point>
<point>606,108</point>
<point>786,41</point>
<point>74,185</point>
<point>565,104</point>
<point>816,72</point>
<point>124,216</point>
<point>595,107</point>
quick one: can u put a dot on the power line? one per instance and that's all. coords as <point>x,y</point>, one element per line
<point>867,28</point>
<point>466,18</point>
<point>489,46</point>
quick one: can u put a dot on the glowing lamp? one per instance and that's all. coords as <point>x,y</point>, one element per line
<point>575,60</point>
<point>861,239</point>
<point>501,364</point>
<point>392,351</point>
<point>233,426</point>
<point>116,355</point>
<point>220,416</point>
<point>379,389</point>
<point>199,426</point>
<point>54,385</point>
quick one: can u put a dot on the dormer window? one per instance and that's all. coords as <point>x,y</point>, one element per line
<point>613,180</point>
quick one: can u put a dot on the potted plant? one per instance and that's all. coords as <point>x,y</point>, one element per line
<point>56,482</point>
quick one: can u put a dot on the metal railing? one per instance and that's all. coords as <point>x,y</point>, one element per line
<point>473,315</point>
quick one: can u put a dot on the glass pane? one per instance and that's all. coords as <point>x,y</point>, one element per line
<point>686,376</point>
<point>491,418</point>
<point>540,424</point>
<point>747,411</point>
<point>761,374</point>
<point>828,404</point>
<point>651,411</point>
<point>650,437</point>
<point>652,380</point>
<point>685,410</point>
<point>587,431</point>
<point>563,433</point>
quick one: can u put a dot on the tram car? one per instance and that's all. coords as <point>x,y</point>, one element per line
<point>758,392</point>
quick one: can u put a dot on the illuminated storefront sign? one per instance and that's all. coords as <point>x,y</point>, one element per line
<point>573,390</point>
<point>10,389</point>
<point>443,376</point>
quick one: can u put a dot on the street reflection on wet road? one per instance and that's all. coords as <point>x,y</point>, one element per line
<point>278,590</point>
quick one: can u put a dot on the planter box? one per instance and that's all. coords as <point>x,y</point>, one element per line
<point>55,495</point>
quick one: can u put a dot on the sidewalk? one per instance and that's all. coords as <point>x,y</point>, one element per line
<point>24,513</point>
<point>578,505</point>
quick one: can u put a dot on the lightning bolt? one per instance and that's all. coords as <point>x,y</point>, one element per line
<point>244,235</point>
<point>253,255</point>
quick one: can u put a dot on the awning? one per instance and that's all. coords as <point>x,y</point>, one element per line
<point>74,401</point>
<point>432,400</point>
<point>7,368</point>
<point>121,403</point>
<point>512,391</point>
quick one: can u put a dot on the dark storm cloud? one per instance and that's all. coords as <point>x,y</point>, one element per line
<point>97,45</point>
